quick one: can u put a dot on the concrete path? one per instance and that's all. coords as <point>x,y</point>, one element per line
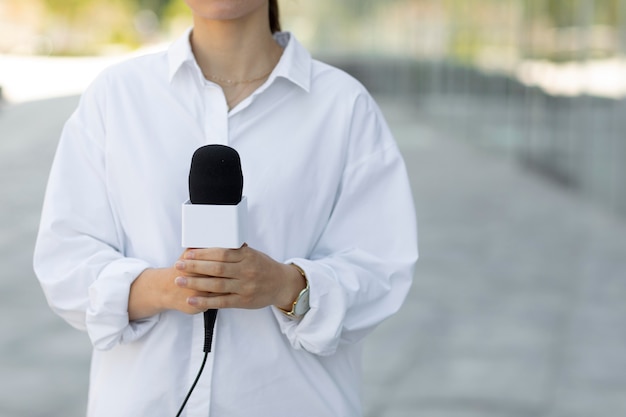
<point>518,307</point>
<point>43,362</point>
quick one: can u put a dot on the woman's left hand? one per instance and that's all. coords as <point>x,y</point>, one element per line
<point>238,278</point>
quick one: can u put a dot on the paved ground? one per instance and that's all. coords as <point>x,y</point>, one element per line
<point>517,309</point>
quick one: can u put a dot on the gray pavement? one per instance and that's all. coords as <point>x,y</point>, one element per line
<point>43,361</point>
<point>517,308</point>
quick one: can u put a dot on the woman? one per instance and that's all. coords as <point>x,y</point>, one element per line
<point>330,212</point>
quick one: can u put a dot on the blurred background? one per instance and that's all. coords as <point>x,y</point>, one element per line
<point>546,73</point>
<point>511,115</point>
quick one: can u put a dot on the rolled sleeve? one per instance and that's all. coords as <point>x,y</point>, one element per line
<point>107,314</point>
<point>319,331</point>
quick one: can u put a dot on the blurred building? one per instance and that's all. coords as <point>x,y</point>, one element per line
<point>542,82</point>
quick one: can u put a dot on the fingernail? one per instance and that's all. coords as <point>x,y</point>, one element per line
<point>180,265</point>
<point>181,281</point>
<point>192,301</point>
<point>189,254</point>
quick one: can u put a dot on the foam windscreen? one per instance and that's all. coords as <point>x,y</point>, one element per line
<point>215,176</point>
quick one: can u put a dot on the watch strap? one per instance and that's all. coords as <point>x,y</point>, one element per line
<point>302,296</point>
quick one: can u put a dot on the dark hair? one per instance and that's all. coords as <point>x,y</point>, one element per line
<point>274,16</point>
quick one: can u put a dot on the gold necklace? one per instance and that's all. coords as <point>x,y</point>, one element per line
<point>233,100</point>
<point>237,82</point>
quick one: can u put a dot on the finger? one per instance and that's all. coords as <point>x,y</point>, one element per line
<point>216,254</point>
<point>208,268</point>
<point>217,302</point>
<point>183,306</point>
<point>211,285</point>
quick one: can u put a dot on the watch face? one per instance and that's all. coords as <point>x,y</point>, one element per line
<point>302,305</point>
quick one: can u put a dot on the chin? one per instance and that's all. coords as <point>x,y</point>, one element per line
<point>225,9</point>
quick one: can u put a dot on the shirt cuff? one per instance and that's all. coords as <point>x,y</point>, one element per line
<point>107,315</point>
<point>319,330</point>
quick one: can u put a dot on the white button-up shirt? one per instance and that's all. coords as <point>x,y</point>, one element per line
<point>326,189</point>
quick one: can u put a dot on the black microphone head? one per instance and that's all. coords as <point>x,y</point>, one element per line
<point>215,176</point>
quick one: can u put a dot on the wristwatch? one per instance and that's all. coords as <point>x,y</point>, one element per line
<point>301,304</point>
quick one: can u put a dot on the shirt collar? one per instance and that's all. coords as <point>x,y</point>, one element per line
<point>178,53</point>
<point>294,65</point>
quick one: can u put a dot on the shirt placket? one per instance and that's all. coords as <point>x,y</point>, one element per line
<point>215,114</point>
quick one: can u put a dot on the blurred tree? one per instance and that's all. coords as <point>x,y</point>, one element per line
<point>608,12</point>
<point>175,17</point>
<point>357,7</point>
<point>157,6</point>
<point>468,25</point>
<point>70,25</point>
<point>70,9</point>
<point>561,13</point>
<point>568,13</point>
<point>174,9</point>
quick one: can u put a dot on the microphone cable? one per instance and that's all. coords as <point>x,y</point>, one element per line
<point>209,323</point>
<point>206,354</point>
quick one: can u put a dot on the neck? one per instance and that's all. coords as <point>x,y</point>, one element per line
<point>234,49</point>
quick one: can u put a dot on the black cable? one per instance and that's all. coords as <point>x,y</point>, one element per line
<point>206,354</point>
<point>209,323</point>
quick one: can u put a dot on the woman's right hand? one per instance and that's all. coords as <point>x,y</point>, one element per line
<point>155,291</point>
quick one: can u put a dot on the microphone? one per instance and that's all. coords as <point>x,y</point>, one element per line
<point>215,214</point>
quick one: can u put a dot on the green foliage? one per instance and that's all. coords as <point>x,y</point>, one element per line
<point>88,25</point>
<point>568,13</point>
<point>78,27</point>
<point>68,8</point>
<point>158,6</point>
<point>470,24</point>
<point>175,9</point>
